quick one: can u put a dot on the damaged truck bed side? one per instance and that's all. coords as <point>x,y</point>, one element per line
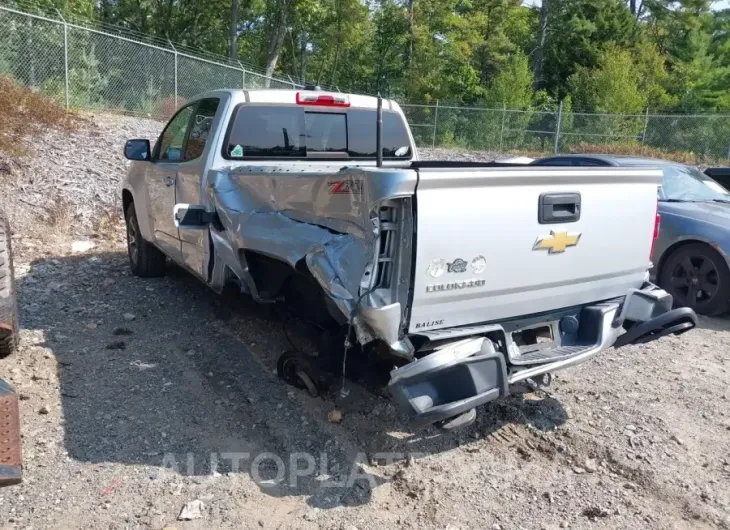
<point>467,278</point>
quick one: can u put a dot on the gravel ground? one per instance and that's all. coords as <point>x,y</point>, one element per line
<point>140,398</point>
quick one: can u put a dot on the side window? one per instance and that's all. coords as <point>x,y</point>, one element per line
<point>173,137</point>
<point>202,122</point>
<point>591,162</point>
<point>556,162</point>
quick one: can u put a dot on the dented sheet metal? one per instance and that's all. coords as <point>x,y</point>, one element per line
<point>322,215</point>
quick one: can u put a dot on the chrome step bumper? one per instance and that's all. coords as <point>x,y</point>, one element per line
<point>469,372</point>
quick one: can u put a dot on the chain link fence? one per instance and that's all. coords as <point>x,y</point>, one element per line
<point>85,68</point>
<point>699,138</point>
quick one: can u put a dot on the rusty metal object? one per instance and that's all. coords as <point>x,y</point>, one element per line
<point>11,462</point>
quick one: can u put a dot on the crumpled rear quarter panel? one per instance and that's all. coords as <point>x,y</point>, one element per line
<point>321,214</point>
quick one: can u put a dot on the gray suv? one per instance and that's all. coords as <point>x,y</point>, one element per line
<point>691,255</point>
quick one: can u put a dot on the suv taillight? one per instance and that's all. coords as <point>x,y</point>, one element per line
<point>657,224</point>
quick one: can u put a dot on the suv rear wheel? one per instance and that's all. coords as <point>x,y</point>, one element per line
<point>145,259</point>
<point>697,276</point>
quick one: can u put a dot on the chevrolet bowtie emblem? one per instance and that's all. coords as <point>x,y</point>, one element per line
<point>556,242</point>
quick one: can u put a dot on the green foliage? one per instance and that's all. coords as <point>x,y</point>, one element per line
<point>597,57</point>
<point>613,86</point>
<point>512,85</point>
<point>86,82</point>
<point>578,30</point>
<point>675,54</point>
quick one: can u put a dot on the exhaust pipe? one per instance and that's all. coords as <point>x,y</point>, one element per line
<point>379,134</point>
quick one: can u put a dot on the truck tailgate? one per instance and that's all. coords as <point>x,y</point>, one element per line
<point>483,253</point>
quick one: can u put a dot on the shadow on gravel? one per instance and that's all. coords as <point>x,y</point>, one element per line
<point>721,323</point>
<point>151,375</point>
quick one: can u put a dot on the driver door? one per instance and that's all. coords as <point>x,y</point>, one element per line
<point>161,178</point>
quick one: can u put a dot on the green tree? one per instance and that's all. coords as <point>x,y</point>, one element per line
<point>613,87</point>
<point>577,32</point>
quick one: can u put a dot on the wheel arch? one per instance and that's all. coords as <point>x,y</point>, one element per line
<point>685,241</point>
<point>275,278</point>
<point>140,206</point>
<point>127,199</point>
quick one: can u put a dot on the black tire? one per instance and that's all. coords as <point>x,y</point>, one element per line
<point>298,370</point>
<point>697,276</point>
<point>8,298</point>
<point>145,260</point>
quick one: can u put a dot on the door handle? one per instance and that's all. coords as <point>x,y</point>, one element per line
<point>169,181</point>
<point>558,208</point>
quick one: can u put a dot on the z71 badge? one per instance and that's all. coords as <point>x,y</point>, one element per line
<point>345,187</point>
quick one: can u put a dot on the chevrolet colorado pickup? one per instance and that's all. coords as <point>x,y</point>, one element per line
<point>466,280</point>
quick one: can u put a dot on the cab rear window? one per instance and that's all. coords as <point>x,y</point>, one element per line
<point>261,131</point>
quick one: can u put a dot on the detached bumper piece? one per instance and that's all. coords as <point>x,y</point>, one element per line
<point>450,382</point>
<point>10,452</point>
<point>446,385</point>
<point>646,315</point>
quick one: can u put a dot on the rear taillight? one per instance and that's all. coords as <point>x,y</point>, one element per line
<point>657,224</point>
<point>322,100</point>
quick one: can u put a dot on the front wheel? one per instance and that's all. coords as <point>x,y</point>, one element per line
<point>145,259</point>
<point>697,276</point>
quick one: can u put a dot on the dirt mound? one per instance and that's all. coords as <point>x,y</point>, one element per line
<point>60,172</point>
<point>26,114</point>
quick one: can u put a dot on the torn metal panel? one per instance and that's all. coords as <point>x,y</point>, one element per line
<point>324,215</point>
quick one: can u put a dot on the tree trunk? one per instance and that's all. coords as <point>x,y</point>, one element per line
<point>338,7</point>
<point>104,11</point>
<point>303,57</point>
<point>233,31</point>
<point>540,52</point>
<point>409,46</point>
<point>276,39</point>
<point>632,7</point>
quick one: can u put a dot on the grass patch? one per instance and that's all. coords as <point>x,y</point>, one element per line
<point>108,224</point>
<point>25,114</point>
<point>60,216</point>
<point>683,157</point>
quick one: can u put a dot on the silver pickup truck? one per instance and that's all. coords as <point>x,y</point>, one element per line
<point>465,280</point>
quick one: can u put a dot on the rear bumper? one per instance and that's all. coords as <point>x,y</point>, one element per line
<point>10,451</point>
<point>469,372</point>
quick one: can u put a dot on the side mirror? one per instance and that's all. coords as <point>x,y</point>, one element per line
<point>192,216</point>
<point>137,150</point>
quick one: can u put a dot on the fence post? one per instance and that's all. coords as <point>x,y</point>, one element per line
<point>557,130</point>
<point>243,76</point>
<point>65,56</point>
<point>501,132</point>
<point>435,123</point>
<point>646,124</point>
<point>65,61</point>
<point>174,51</point>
